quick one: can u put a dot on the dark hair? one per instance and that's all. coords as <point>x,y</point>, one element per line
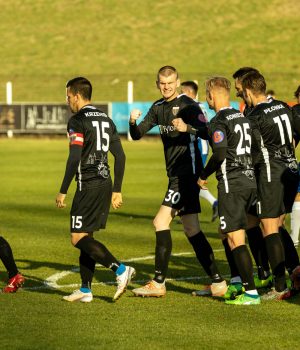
<point>255,82</point>
<point>191,84</point>
<point>167,71</point>
<point>297,92</point>
<point>270,92</point>
<point>80,86</point>
<point>242,71</point>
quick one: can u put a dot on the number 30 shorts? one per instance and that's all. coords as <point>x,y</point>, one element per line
<point>183,195</point>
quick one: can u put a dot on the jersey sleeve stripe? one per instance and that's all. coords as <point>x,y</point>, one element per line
<point>76,139</point>
<point>75,142</point>
<point>75,134</point>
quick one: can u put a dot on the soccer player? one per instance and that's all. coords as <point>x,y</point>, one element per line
<point>15,279</point>
<point>295,215</point>
<point>273,124</point>
<point>92,135</point>
<point>190,88</point>
<point>255,239</point>
<point>183,164</point>
<point>231,160</point>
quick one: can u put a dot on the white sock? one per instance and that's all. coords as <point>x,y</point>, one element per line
<point>236,279</point>
<point>252,292</point>
<point>208,196</point>
<point>295,222</point>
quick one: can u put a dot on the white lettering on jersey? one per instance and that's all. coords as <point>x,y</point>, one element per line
<point>273,108</point>
<point>95,114</point>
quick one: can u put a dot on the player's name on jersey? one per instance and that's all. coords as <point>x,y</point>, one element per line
<point>95,114</point>
<point>234,116</point>
<point>273,108</point>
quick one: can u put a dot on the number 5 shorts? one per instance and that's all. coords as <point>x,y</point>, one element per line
<point>233,209</point>
<point>91,206</point>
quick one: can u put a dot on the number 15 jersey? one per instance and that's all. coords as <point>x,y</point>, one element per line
<point>91,129</point>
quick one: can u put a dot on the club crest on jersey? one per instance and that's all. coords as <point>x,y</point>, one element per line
<point>218,136</point>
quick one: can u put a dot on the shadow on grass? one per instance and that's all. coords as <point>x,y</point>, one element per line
<point>185,274</point>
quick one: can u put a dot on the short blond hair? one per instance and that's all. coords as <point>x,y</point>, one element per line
<point>166,71</point>
<point>217,83</point>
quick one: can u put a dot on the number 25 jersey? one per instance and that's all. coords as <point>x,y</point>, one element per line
<point>229,129</point>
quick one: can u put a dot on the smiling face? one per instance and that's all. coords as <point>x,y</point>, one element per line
<point>168,85</point>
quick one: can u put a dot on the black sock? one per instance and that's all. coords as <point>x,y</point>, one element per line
<point>276,257</point>
<point>205,256</point>
<point>163,250</point>
<point>258,249</point>
<point>291,255</point>
<point>243,260</point>
<point>98,252</point>
<point>7,258</point>
<point>234,272</point>
<point>87,269</point>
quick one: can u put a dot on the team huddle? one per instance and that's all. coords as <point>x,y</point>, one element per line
<point>253,159</point>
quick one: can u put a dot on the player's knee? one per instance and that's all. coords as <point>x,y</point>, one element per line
<point>76,237</point>
<point>191,229</point>
<point>160,225</point>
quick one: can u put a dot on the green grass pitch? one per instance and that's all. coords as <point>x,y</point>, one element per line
<point>37,318</point>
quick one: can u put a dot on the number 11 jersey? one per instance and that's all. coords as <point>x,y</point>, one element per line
<point>273,124</point>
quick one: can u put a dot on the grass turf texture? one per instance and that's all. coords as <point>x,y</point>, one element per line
<point>31,171</point>
<point>45,43</point>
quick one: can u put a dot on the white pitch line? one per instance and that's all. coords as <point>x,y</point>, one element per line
<point>51,281</point>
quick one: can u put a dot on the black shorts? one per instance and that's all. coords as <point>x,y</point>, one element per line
<point>290,182</point>
<point>90,206</point>
<point>233,208</point>
<point>183,195</point>
<point>253,208</point>
<point>277,197</point>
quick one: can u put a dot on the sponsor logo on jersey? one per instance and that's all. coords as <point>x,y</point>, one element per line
<point>165,129</point>
<point>75,138</point>
<point>218,136</point>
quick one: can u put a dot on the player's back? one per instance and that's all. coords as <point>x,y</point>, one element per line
<point>272,123</point>
<point>97,132</point>
<point>237,167</point>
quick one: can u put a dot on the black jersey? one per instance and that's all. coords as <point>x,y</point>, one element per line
<point>231,131</point>
<point>247,110</point>
<point>182,155</point>
<point>273,124</point>
<point>296,109</point>
<point>96,133</point>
